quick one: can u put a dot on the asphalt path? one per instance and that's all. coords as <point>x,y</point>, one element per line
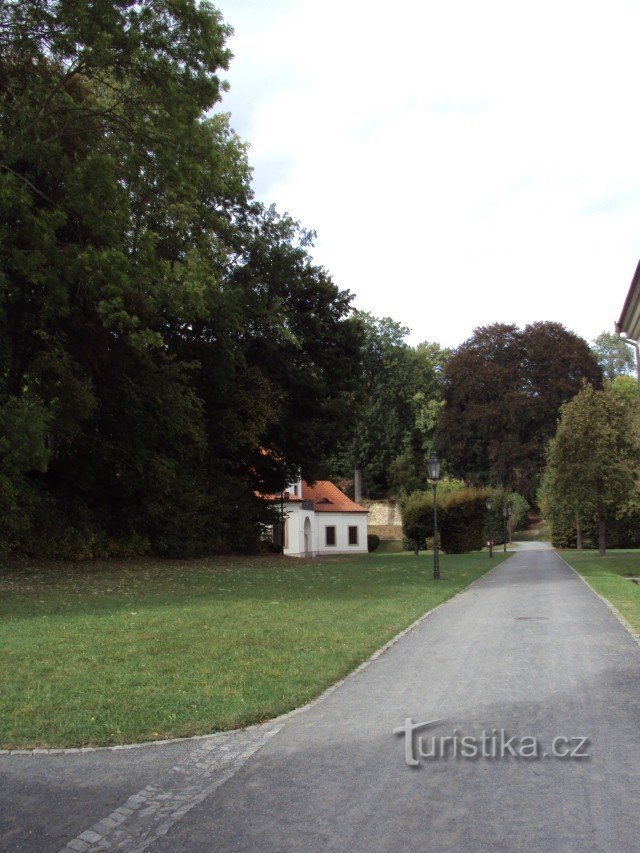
<point>528,660</point>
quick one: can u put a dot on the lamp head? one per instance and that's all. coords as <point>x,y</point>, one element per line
<point>433,468</point>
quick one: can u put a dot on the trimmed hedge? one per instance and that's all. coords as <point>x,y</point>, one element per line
<point>462,517</point>
<point>462,521</point>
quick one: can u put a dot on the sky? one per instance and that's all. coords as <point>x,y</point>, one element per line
<point>462,162</point>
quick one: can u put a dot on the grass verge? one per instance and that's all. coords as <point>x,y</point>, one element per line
<point>107,653</point>
<point>609,576</point>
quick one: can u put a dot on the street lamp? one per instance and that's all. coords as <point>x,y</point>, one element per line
<point>489,525</point>
<point>509,514</point>
<point>433,473</point>
<point>505,513</point>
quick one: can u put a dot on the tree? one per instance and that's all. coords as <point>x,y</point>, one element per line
<point>592,462</point>
<point>159,327</point>
<point>502,392</point>
<point>393,412</point>
<point>614,356</point>
<point>627,388</point>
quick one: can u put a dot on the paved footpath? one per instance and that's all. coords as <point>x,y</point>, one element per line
<point>529,649</point>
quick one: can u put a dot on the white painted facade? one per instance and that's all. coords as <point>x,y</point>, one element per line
<point>310,532</point>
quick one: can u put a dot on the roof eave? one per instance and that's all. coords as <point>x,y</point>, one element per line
<point>629,322</point>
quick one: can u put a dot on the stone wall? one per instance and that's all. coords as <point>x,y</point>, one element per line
<point>383,513</point>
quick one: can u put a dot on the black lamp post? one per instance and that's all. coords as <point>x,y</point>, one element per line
<point>505,513</point>
<point>433,473</point>
<point>489,526</point>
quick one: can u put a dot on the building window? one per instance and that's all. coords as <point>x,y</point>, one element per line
<point>330,536</point>
<point>353,536</point>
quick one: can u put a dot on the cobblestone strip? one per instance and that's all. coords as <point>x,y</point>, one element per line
<point>151,812</point>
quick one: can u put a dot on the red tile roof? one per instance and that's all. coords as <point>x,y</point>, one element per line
<point>287,497</point>
<point>328,498</point>
<point>323,494</point>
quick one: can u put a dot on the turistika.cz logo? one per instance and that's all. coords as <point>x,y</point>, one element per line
<point>493,744</point>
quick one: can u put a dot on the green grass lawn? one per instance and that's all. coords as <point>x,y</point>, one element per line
<point>116,652</point>
<point>609,575</point>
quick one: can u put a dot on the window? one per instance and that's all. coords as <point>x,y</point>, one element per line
<point>330,536</point>
<point>353,536</point>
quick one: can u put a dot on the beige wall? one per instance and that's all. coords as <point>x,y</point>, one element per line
<point>383,512</point>
<point>342,521</point>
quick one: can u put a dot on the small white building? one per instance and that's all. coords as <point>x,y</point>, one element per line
<point>321,520</point>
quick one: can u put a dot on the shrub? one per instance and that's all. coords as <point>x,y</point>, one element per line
<point>462,521</point>
<point>373,541</point>
<point>417,520</point>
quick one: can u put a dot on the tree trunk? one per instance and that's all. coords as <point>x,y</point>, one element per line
<point>416,549</point>
<point>579,541</point>
<point>602,541</point>
<point>357,484</point>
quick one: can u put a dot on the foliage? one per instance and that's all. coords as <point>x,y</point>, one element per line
<point>614,356</point>
<point>503,389</point>
<point>159,329</point>
<point>462,517</point>
<point>495,525</point>
<point>627,388</point>
<point>373,541</point>
<point>394,411</point>
<point>462,521</point>
<point>417,519</point>
<point>592,464</point>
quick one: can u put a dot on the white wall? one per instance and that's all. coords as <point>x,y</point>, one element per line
<point>296,516</point>
<point>342,521</point>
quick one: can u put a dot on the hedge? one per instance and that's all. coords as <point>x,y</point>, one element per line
<point>461,519</point>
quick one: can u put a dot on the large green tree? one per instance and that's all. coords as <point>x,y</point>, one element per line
<point>159,329</point>
<point>503,389</point>
<point>393,412</point>
<point>592,462</point>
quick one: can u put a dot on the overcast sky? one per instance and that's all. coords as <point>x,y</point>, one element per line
<point>462,162</point>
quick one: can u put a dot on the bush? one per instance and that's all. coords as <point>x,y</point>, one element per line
<point>417,520</point>
<point>373,540</point>
<point>462,521</point>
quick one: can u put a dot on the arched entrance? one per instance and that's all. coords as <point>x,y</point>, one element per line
<point>307,537</point>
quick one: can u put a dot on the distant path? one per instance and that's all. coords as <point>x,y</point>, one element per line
<point>528,649</point>
<point>532,545</point>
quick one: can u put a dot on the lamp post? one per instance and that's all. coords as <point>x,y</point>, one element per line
<point>509,514</point>
<point>489,526</point>
<point>504,516</point>
<point>433,473</point>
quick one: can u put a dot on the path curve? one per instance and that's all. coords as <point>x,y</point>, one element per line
<point>528,649</point>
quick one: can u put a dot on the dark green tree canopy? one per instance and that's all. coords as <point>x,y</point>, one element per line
<point>159,329</point>
<point>392,415</point>
<point>503,389</point>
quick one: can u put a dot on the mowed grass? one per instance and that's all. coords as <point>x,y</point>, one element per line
<point>115,652</point>
<point>609,576</point>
